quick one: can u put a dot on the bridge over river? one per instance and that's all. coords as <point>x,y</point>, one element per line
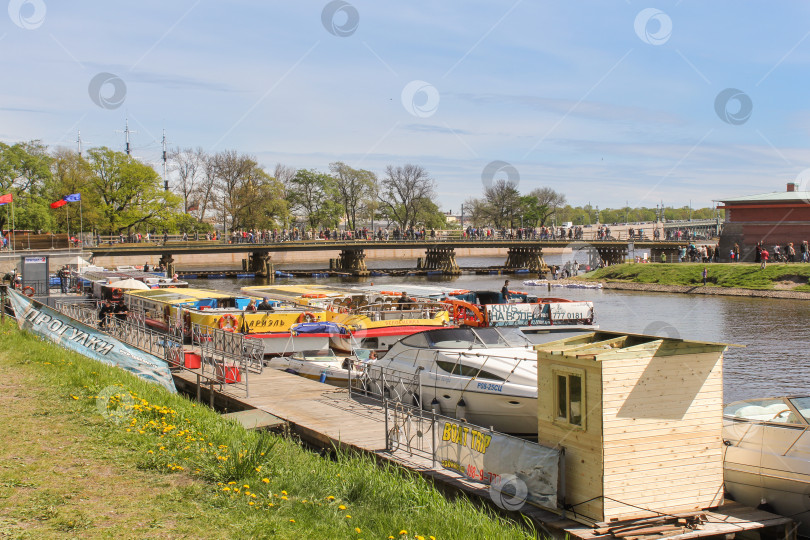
<point>440,253</point>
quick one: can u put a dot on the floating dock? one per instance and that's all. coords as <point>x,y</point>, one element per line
<point>326,416</point>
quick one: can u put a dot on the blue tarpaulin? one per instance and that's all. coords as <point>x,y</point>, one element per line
<point>318,328</point>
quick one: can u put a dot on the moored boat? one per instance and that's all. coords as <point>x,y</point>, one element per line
<point>169,309</point>
<point>518,309</point>
<point>767,455</point>
<point>487,376</point>
<point>376,319</point>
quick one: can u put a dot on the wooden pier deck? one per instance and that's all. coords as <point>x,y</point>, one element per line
<point>324,415</point>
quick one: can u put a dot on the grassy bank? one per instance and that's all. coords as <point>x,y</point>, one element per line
<point>794,276</point>
<point>91,451</point>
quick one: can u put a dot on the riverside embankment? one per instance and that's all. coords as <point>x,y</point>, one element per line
<point>777,280</point>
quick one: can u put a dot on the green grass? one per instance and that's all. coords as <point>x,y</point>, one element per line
<point>742,275</point>
<point>107,454</point>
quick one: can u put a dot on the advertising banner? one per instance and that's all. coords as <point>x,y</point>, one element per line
<point>539,314</point>
<point>87,341</point>
<point>489,457</point>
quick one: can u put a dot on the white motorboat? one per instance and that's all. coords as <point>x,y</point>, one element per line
<point>487,376</point>
<point>322,365</point>
<point>767,456</point>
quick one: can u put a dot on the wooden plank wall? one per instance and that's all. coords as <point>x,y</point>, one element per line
<point>583,448</point>
<point>662,423</point>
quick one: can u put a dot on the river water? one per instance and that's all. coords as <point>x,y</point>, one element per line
<point>774,361</point>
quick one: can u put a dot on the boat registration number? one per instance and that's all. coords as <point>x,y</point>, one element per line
<point>490,386</point>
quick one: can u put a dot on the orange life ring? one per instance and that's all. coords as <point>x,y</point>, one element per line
<point>517,292</point>
<point>306,317</point>
<point>466,313</point>
<point>313,295</point>
<point>389,293</point>
<point>228,327</point>
<point>117,294</point>
<point>459,291</point>
<point>29,288</point>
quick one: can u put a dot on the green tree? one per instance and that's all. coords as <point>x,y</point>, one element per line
<point>313,196</point>
<point>130,193</point>
<point>547,203</point>
<point>24,172</point>
<point>353,187</point>
<point>72,174</point>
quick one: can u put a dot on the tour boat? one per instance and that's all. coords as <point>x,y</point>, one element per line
<point>767,455</point>
<point>487,376</point>
<point>102,282</point>
<point>164,309</point>
<point>375,318</point>
<point>490,309</point>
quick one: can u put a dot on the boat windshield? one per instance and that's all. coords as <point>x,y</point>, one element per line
<point>802,404</point>
<point>323,355</point>
<point>468,338</point>
<point>769,410</point>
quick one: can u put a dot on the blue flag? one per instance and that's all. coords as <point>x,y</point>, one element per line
<point>73,198</point>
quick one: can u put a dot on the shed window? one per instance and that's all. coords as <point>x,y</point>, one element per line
<point>569,398</point>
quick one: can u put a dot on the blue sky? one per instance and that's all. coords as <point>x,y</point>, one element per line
<point>606,102</point>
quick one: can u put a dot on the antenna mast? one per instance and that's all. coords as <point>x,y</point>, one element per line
<point>79,143</point>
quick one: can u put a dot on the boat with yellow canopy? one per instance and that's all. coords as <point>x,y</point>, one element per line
<point>377,319</point>
<point>170,309</point>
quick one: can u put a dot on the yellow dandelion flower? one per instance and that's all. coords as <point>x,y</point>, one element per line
<point>150,452</point>
<point>403,532</point>
<point>283,492</point>
<point>341,507</point>
<point>292,521</point>
<point>358,530</point>
<point>420,537</point>
<point>348,516</point>
<point>246,486</point>
<point>284,497</point>
<point>226,488</point>
<point>251,503</point>
<point>74,397</point>
<point>253,495</point>
<point>330,498</point>
<point>270,504</point>
<point>266,480</point>
<point>231,483</point>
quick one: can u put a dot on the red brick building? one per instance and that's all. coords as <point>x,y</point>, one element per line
<point>770,218</point>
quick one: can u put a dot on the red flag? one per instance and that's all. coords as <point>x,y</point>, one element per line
<point>58,204</point>
<point>5,199</point>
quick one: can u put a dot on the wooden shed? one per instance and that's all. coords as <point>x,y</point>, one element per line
<point>640,419</point>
